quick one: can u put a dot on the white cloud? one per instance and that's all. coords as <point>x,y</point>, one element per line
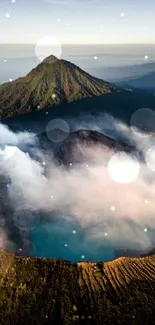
<point>86,194</point>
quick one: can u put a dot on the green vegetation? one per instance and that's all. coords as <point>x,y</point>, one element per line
<point>49,85</point>
<point>97,273</point>
<point>74,308</point>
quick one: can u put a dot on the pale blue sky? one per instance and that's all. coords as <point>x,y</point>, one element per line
<point>78,21</point>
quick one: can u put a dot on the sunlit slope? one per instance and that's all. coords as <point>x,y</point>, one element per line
<point>51,83</point>
<point>42,291</point>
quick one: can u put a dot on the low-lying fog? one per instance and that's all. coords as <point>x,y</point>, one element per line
<point>84,211</point>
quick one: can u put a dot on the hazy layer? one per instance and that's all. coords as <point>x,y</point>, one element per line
<point>103,210</point>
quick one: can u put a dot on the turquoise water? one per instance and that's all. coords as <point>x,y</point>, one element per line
<point>64,239</point>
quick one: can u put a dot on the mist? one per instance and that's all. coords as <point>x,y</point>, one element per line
<point>104,206</point>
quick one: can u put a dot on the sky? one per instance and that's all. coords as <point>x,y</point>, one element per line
<point>78,21</point>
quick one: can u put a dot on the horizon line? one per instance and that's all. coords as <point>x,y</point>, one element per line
<point>89,44</point>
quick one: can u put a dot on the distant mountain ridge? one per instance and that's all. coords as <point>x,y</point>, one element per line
<point>145,82</point>
<point>117,74</point>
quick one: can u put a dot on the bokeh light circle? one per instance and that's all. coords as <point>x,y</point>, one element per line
<point>48,46</point>
<point>26,217</point>
<point>143,122</point>
<point>123,168</point>
<point>57,130</point>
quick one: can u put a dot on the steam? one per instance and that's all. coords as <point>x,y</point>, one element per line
<point>88,193</point>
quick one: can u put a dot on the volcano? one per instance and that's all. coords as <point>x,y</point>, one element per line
<point>59,88</point>
<point>51,83</point>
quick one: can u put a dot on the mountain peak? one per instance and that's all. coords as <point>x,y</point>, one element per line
<point>53,82</point>
<point>50,59</point>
